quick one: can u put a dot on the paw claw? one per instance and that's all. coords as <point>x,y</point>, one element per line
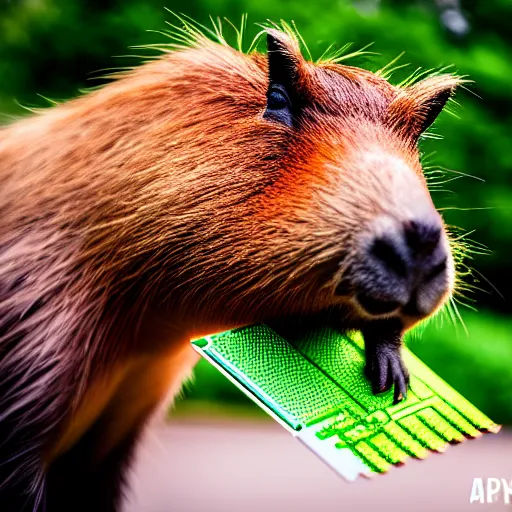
<point>384,370</point>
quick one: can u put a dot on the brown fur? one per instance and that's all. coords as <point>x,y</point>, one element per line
<point>159,208</point>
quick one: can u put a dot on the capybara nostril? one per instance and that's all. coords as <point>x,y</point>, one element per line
<point>387,251</point>
<point>435,270</point>
<point>422,237</point>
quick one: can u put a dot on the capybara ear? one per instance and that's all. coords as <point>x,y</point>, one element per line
<point>416,107</point>
<point>285,79</point>
<point>283,56</point>
<point>431,95</point>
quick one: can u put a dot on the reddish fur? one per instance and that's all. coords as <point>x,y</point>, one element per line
<point>159,208</point>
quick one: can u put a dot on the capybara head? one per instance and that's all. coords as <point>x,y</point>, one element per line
<point>313,187</point>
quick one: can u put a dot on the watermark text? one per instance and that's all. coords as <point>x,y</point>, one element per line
<point>491,490</point>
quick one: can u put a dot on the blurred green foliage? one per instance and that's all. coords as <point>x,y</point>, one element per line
<point>53,48</point>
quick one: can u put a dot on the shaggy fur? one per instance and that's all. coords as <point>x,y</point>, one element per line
<point>161,207</point>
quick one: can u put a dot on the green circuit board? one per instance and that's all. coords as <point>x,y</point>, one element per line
<point>315,387</point>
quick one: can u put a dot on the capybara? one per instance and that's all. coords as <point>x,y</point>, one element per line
<point>204,190</point>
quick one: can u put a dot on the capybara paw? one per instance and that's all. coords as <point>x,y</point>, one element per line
<point>385,369</point>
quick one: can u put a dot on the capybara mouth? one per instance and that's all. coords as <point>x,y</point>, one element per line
<point>376,306</point>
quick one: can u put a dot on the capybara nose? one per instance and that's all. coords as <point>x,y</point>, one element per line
<point>404,269</point>
<point>407,251</point>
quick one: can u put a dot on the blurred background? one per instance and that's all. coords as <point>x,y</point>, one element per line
<point>52,49</point>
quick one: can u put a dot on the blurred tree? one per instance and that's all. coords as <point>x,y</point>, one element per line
<point>453,18</point>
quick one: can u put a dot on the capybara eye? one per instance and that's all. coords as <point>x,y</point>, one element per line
<point>277,100</point>
<point>278,106</point>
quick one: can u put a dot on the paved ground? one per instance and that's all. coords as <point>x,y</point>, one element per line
<point>192,465</point>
